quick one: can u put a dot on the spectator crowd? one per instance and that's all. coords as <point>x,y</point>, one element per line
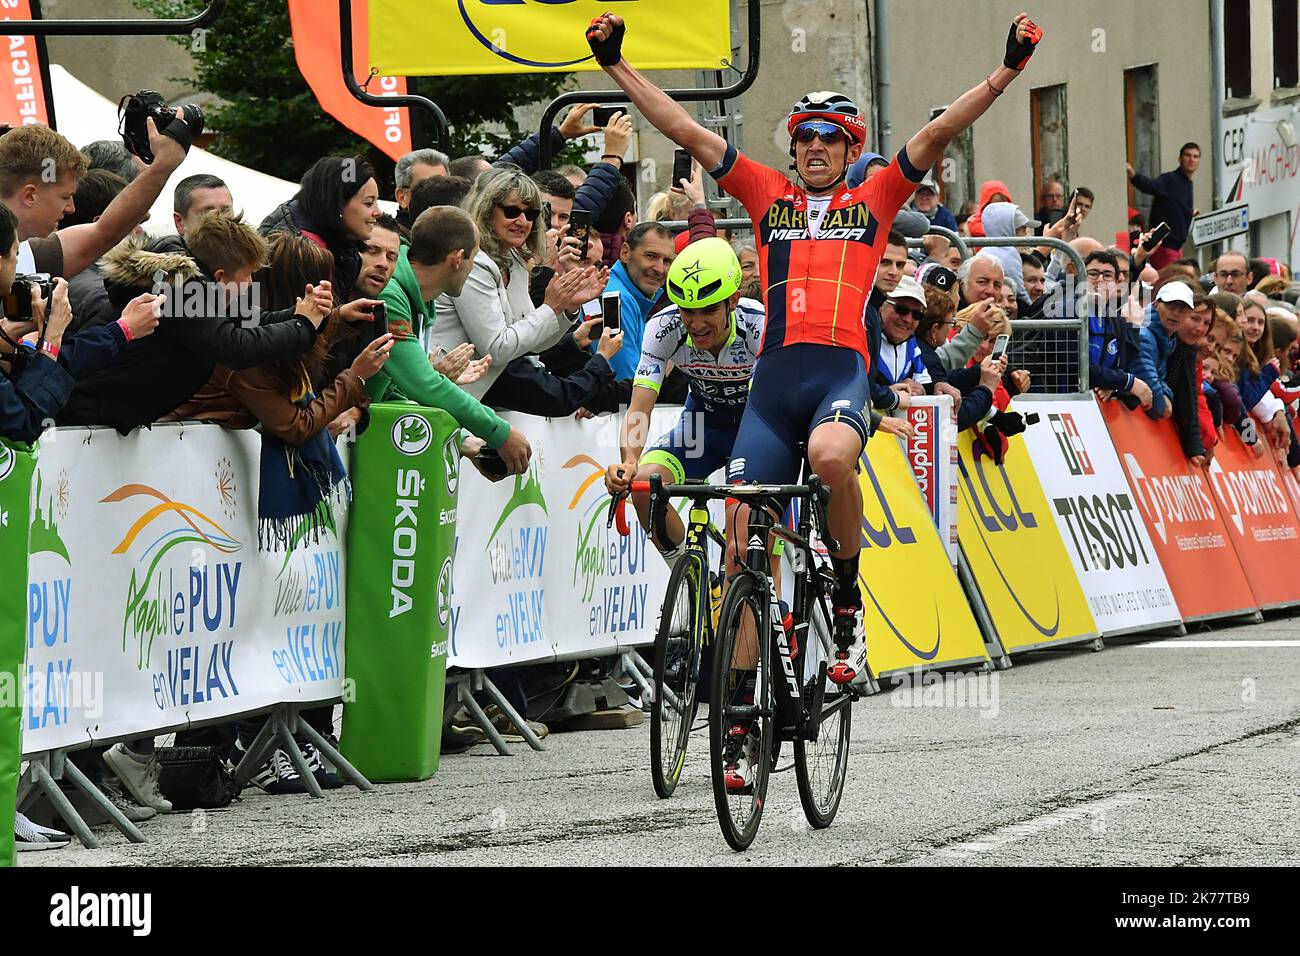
<point>482,294</point>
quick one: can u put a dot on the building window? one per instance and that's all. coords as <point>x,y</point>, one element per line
<point>955,171</point>
<point>1142,128</point>
<point>1236,50</point>
<point>1286,43</point>
<point>1051,148</point>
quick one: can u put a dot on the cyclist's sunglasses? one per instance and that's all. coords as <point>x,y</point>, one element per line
<point>828,133</point>
<point>514,212</point>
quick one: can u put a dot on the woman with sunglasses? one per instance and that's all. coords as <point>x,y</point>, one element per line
<point>494,312</point>
<point>819,244</point>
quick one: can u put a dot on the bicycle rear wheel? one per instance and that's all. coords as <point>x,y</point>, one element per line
<point>676,670</point>
<point>745,606</point>
<point>821,765</point>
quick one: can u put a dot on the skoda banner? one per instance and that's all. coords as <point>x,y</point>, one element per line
<point>913,607</point>
<point>17,465</point>
<point>1099,521</point>
<point>1015,552</point>
<point>405,474</point>
<point>468,37</point>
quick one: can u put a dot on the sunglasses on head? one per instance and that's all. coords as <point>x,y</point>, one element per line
<point>828,133</point>
<point>514,212</point>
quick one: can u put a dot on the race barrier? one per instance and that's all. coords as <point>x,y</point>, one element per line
<point>932,453</point>
<point>1017,564</point>
<point>1260,519</point>
<point>1182,519</point>
<point>405,472</point>
<point>17,466</point>
<point>1099,521</point>
<point>915,613</point>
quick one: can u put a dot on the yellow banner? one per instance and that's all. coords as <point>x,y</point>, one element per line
<point>1015,550</point>
<point>915,612</point>
<point>465,37</point>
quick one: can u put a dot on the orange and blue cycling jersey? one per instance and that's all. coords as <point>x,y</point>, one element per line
<point>816,289</point>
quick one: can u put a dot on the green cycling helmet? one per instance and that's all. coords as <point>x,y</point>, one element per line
<point>706,271</point>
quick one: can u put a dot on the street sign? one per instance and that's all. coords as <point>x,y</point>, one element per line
<point>1221,224</point>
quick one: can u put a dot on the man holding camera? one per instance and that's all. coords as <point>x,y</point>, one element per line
<point>40,196</point>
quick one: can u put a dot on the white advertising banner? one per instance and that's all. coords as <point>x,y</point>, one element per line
<point>932,453</point>
<point>151,606</point>
<point>1099,521</point>
<point>537,574</point>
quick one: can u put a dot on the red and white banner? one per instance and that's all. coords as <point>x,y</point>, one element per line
<point>932,453</point>
<point>25,92</point>
<point>1260,518</point>
<point>317,48</point>
<point>1181,516</point>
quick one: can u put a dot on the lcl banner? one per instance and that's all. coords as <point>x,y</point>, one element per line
<point>1098,518</point>
<point>25,95</point>
<point>913,606</point>
<point>1181,516</point>
<point>1260,519</point>
<point>458,37</point>
<point>1015,552</point>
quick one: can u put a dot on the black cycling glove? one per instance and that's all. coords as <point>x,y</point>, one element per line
<point>608,52</point>
<point>1019,51</point>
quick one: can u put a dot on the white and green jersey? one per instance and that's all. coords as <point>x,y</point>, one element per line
<point>720,383</point>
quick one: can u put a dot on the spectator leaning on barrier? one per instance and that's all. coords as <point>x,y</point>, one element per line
<point>495,312</point>
<point>637,277</point>
<point>199,196</point>
<point>1173,201</point>
<point>974,401</point>
<point>26,155</point>
<point>1167,362</point>
<point>437,264</point>
<point>889,271</point>
<point>410,171</point>
<point>1113,343</point>
<point>155,375</point>
<point>901,364</point>
<point>86,295</point>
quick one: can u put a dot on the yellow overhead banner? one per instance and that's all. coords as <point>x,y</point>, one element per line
<point>1015,551</point>
<point>465,37</point>
<point>914,610</point>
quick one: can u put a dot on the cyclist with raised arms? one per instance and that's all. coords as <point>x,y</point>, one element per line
<point>819,243</point>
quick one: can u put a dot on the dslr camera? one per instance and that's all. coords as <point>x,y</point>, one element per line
<point>135,108</point>
<point>18,303</point>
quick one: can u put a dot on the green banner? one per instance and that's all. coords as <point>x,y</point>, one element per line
<point>17,466</point>
<point>401,533</point>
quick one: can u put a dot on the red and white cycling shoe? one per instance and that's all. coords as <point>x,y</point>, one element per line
<point>738,758</point>
<point>850,660</point>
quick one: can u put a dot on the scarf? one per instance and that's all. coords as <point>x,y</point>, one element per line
<point>300,484</point>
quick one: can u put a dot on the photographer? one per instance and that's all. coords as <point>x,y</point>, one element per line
<point>39,367</point>
<point>40,203</point>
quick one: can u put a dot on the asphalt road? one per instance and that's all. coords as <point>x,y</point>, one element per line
<point>1138,755</point>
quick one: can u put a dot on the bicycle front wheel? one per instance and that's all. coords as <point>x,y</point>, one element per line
<point>821,765</point>
<point>676,670</point>
<point>740,712</point>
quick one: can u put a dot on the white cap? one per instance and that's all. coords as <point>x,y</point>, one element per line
<point>1176,292</point>
<point>908,288</point>
<point>1021,220</point>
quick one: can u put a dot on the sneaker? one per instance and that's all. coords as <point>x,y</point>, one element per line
<point>327,779</point>
<point>278,776</point>
<point>29,835</point>
<point>739,755</point>
<point>111,787</point>
<point>850,660</point>
<point>140,778</point>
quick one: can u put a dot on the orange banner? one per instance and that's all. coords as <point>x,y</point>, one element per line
<point>1260,518</point>
<point>24,93</point>
<point>317,48</point>
<point>1180,512</point>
